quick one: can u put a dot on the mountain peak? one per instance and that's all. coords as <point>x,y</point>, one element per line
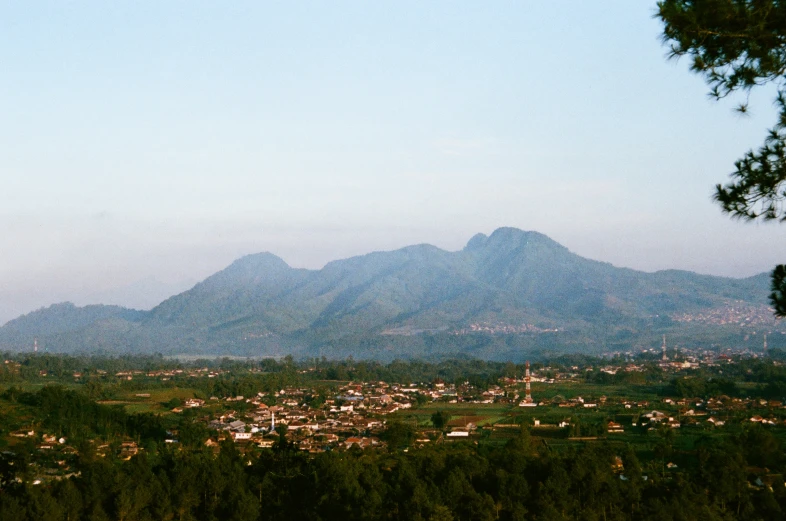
<point>250,269</point>
<point>476,242</point>
<point>508,237</point>
<point>508,233</point>
<point>262,260</point>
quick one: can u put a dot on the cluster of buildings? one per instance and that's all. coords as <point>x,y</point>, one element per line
<point>353,417</point>
<point>737,313</point>
<point>500,328</point>
<point>166,374</point>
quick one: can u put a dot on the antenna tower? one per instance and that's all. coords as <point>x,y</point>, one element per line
<point>35,344</point>
<point>663,347</point>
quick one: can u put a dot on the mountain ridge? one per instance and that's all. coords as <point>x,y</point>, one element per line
<point>379,305</point>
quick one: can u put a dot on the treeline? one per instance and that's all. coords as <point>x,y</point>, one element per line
<point>74,415</point>
<point>446,482</point>
<point>248,376</point>
<point>770,380</point>
<point>28,365</point>
<point>478,372</point>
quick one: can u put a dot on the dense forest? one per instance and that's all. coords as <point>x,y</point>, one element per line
<point>453,481</point>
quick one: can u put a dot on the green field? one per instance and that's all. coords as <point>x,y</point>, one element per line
<point>155,402</point>
<point>460,413</point>
<point>590,391</point>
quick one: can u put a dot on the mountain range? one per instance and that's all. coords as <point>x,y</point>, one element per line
<point>503,296</point>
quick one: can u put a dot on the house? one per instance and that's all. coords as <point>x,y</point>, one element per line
<point>295,425</point>
<point>349,442</point>
<point>655,416</point>
<point>128,449</point>
<point>328,438</point>
<point>237,425</point>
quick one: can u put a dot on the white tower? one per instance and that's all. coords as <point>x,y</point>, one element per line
<point>273,422</point>
<point>35,344</point>
<point>528,396</point>
<point>664,349</point>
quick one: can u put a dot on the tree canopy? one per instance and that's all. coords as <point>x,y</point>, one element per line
<point>737,45</point>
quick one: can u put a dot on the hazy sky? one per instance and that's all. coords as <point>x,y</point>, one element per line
<point>146,145</point>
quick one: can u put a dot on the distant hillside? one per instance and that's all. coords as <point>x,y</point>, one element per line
<point>66,317</point>
<point>502,296</point>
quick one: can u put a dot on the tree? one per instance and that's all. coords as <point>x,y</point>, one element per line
<point>399,434</point>
<point>440,419</point>
<point>737,45</point>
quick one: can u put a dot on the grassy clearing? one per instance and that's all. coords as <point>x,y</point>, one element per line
<point>158,395</point>
<point>141,408</point>
<point>32,387</point>
<point>460,414</point>
<point>136,404</point>
<point>478,420</point>
<point>589,391</point>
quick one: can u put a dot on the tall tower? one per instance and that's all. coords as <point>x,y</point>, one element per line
<point>765,344</point>
<point>273,422</point>
<point>663,347</point>
<point>35,344</point>
<point>528,396</point>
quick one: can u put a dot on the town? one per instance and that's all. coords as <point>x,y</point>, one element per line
<point>621,398</point>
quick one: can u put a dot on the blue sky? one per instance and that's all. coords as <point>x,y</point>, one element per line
<point>146,145</point>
